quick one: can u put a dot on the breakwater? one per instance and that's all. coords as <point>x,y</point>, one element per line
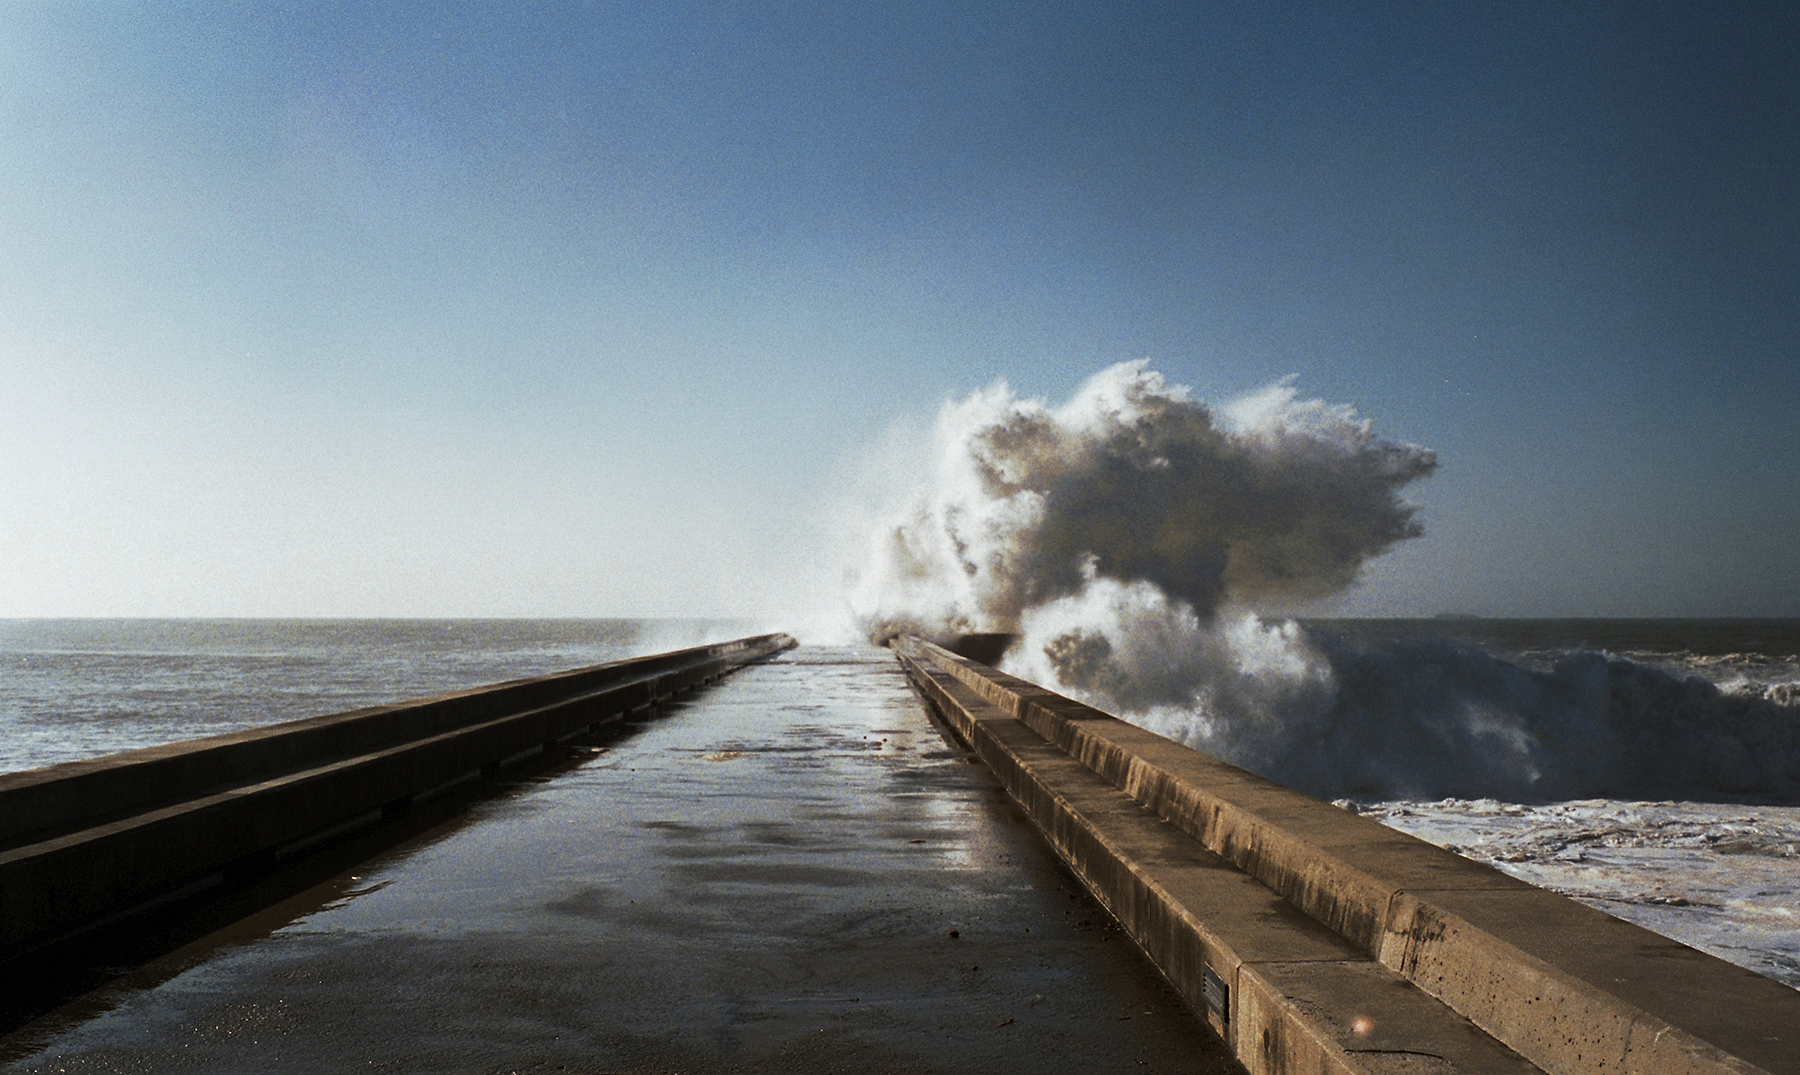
<point>84,841</point>
<point>1316,940</point>
<point>789,871</point>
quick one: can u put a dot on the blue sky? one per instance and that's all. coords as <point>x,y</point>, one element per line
<point>587,309</point>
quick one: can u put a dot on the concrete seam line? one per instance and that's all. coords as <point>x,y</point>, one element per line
<point>1274,1046</point>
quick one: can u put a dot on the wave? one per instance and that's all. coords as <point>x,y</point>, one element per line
<point>1130,537</point>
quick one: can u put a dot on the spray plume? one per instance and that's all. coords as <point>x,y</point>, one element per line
<point>1132,481</point>
<point>1132,537</point>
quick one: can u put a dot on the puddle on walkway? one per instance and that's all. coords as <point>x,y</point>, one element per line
<point>791,872</point>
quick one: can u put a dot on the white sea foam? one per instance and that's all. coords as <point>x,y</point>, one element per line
<point>1724,880</point>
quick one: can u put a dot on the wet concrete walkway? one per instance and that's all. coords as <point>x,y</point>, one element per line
<point>793,871</point>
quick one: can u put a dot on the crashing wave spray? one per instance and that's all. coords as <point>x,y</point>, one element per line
<point>1133,481</point>
<point>1131,537</point>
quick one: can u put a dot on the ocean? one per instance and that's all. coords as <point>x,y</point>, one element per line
<point>1722,875</point>
<point>1720,872</point>
<point>74,689</point>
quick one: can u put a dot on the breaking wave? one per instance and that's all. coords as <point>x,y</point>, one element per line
<point>1130,537</point>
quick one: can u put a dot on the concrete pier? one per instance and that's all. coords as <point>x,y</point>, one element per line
<point>790,871</point>
<point>796,870</point>
<point>1316,940</point>
<point>90,839</point>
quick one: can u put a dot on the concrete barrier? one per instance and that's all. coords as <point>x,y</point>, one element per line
<point>87,839</point>
<point>1561,985</point>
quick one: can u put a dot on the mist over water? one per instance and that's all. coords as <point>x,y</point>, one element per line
<point>1134,539</point>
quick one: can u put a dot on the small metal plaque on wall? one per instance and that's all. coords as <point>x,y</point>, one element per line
<point>1218,997</point>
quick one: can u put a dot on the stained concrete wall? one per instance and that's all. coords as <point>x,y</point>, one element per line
<point>1551,981</point>
<point>86,839</point>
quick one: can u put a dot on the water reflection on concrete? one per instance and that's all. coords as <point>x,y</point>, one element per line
<point>791,872</point>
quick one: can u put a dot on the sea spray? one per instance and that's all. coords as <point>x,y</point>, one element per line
<point>1132,480</point>
<point>1132,538</point>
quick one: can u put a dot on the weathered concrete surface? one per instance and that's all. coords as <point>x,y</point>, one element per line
<point>86,839</point>
<point>1287,993</point>
<point>1564,977</point>
<point>1357,1016</point>
<point>765,878</point>
<point>1570,988</point>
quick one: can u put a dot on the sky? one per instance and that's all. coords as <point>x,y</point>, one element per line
<point>409,309</point>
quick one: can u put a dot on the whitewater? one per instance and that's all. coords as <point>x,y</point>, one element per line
<point>1139,545</point>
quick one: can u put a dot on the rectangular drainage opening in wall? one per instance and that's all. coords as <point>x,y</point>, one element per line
<point>1218,995</point>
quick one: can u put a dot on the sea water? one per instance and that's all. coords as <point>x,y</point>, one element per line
<point>74,689</point>
<point>1721,876</point>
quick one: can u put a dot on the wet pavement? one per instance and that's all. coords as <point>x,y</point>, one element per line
<point>793,871</point>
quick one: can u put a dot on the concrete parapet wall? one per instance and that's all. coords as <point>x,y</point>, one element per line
<point>1569,988</point>
<point>85,839</point>
<point>1287,993</point>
